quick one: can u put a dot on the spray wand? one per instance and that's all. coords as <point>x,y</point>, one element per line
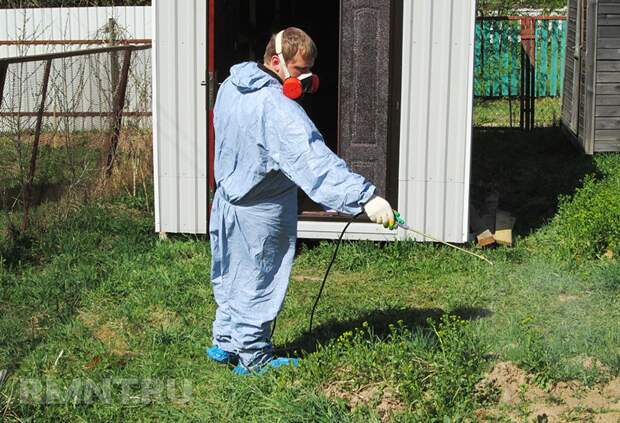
<point>400,222</point>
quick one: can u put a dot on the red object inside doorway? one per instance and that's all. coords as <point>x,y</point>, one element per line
<point>211,89</point>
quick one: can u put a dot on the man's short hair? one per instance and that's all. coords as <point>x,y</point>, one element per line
<point>293,40</point>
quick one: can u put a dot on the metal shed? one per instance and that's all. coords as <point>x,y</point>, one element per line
<point>395,102</point>
<point>591,103</point>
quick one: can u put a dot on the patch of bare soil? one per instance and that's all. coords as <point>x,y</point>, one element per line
<point>113,339</point>
<point>111,334</point>
<point>377,396</point>
<point>308,278</point>
<point>519,399</point>
<point>592,362</point>
<point>160,317</point>
<point>563,298</point>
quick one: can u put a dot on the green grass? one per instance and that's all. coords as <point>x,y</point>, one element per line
<point>404,330</point>
<point>67,164</point>
<point>54,162</point>
<point>504,113</point>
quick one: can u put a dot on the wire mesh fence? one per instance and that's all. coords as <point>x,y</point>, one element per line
<point>69,129</point>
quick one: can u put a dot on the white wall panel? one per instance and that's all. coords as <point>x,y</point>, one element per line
<point>180,116</point>
<point>436,113</point>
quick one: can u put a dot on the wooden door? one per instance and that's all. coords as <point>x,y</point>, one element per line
<point>364,105</point>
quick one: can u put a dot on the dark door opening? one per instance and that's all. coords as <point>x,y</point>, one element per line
<point>355,108</point>
<point>244,27</point>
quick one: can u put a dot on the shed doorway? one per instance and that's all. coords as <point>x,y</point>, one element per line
<point>356,107</point>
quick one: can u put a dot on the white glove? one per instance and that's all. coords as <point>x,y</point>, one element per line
<point>379,211</point>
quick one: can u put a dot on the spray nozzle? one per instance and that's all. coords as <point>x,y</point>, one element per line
<point>398,221</point>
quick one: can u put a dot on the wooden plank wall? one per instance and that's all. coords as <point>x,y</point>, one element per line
<point>569,68</point>
<point>607,123</point>
<point>589,70</point>
<point>586,32</point>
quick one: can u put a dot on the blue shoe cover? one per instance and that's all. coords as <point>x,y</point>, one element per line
<point>272,364</point>
<point>218,355</point>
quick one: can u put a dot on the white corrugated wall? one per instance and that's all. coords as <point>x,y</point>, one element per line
<point>72,23</point>
<point>436,116</point>
<point>180,116</point>
<point>68,23</point>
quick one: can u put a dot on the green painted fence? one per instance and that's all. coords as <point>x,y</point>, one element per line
<point>497,60</point>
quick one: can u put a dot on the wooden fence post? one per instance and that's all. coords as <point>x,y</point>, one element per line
<point>35,146</point>
<point>528,73</point>
<point>117,116</point>
<point>4,67</point>
<point>113,41</point>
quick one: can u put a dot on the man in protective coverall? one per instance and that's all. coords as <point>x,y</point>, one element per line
<point>265,147</point>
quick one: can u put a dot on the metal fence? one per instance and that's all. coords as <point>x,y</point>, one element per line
<point>519,71</point>
<point>79,89</point>
<point>43,145</point>
<point>498,51</point>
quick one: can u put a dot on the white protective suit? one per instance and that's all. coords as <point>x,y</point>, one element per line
<point>266,147</point>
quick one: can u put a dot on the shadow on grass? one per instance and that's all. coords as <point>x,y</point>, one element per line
<point>529,171</point>
<point>40,193</point>
<point>379,322</point>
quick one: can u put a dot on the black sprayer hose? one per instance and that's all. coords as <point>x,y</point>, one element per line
<point>318,297</point>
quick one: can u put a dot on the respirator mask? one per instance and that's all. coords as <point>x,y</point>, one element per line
<point>295,87</point>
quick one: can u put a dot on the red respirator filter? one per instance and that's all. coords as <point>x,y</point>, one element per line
<point>294,88</point>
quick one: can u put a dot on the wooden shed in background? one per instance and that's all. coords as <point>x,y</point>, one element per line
<point>591,103</point>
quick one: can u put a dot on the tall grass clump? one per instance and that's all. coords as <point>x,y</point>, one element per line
<point>587,224</point>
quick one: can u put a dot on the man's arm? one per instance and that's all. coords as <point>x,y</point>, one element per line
<point>300,151</point>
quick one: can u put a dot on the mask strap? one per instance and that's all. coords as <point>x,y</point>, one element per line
<point>279,53</point>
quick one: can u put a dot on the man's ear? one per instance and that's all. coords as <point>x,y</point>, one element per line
<point>275,62</point>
